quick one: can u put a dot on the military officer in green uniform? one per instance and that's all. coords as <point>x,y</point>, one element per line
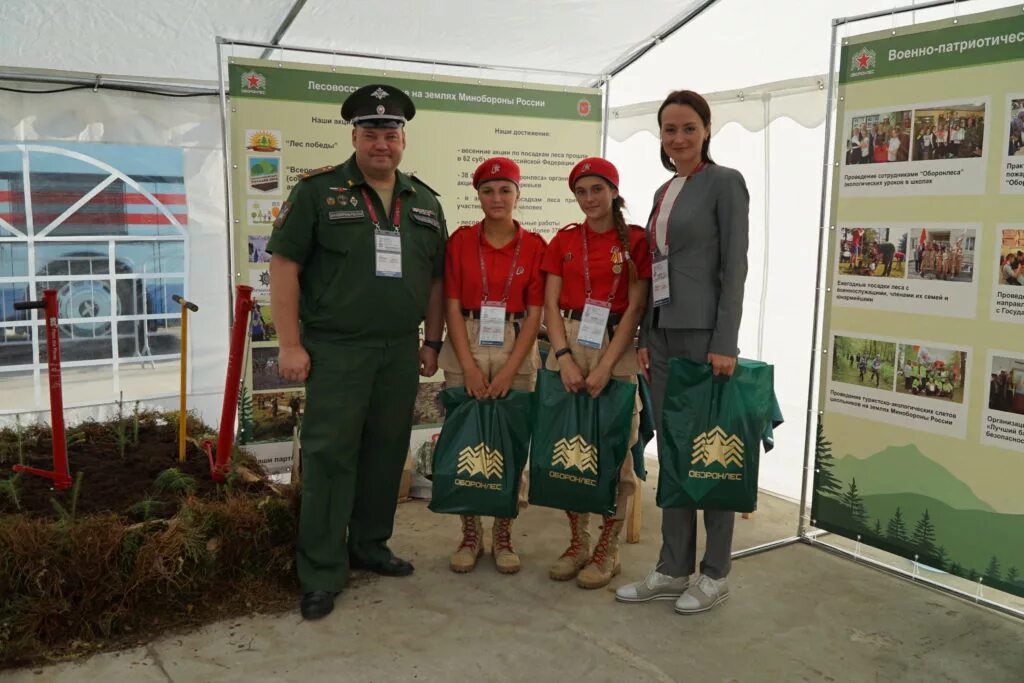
<point>356,266</point>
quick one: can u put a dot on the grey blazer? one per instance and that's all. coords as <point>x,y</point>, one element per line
<point>707,245</point>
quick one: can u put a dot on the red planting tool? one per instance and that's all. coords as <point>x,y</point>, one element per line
<point>226,437</point>
<point>60,475</point>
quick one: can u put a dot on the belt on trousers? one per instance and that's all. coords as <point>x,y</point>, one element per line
<point>474,314</point>
<point>577,314</point>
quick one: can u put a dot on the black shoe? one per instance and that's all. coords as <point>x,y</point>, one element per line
<point>393,567</point>
<point>317,604</point>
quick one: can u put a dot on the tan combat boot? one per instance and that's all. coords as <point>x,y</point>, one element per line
<point>471,548</point>
<point>575,557</point>
<point>505,558</point>
<point>604,563</point>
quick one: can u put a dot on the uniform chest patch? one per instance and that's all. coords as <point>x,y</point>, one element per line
<point>425,217</point>
<point>342,215</point>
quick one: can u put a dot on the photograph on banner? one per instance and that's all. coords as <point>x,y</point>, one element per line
<point>428,409</point>
<point>1013,166</point>
<point>927,148</point>
<point>261,325</point>
<point>259,280</point>
<point>258,249</point>
<point>262,212</point>
<point>931,372</point>
<point>867,370</point>
<point>907,268</point>
<point>264,174</point>
<point>265,374</point>
<point>1004,416</point>
<point>872,252</point>
<point>864,362</point>
<point>1008,298</point>
<point>950,132</point>
<point>276,413</point>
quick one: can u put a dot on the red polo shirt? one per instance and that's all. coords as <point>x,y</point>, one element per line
<point>564,257</point>
<point>462,279</point>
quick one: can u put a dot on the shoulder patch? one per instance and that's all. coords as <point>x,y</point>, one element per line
<point>316,171</point>
<point>282,214</point>
<point>432,190</point>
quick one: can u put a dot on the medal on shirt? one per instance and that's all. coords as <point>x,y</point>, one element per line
<point>387,244</point>
<point>594,321</point>
<point>492,313</point>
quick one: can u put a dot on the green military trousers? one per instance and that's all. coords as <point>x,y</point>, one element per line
<point>355,439</point>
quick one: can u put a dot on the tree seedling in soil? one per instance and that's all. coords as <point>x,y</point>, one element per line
<point>173,480</point>
<point>135,424</point>
<point>68,514</point>
<point>121,428</point>
<point>146,509</point>
<point>9,487</point>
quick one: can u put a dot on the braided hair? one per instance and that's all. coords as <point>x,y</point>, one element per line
<point>623,229</point>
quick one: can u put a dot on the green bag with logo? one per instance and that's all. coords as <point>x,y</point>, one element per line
<point>713,428</point>
<point>579,444</point>
<point>480,454</point>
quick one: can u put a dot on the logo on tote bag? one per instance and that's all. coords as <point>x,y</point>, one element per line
<point>480,461</point>
<point>715,446</point>
<point>574,453</point>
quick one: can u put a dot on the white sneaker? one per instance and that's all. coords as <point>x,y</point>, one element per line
<point>655,587</point>
<point>705,594</point>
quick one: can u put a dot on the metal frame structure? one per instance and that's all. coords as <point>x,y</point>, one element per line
<point>806,533</point>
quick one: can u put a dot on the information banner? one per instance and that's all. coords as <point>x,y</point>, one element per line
<point>285,120</point>
<point>921,451</point>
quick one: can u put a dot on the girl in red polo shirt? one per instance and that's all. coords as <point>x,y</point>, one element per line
<point>603,265</point>
<point>494,291</point>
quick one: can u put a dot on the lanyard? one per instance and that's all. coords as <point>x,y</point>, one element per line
<point>586,267</point>
<point>483,267</point>
<point>652,223</point>
<point>396,211</point>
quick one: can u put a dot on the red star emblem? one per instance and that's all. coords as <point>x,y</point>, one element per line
<point>254,81</point>
<point>862,61</point>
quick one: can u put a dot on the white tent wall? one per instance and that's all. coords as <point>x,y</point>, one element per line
<point>192,125</point>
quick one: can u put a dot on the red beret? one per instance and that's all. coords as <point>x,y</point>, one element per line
<point>496,168</point>
<point>594,166</point>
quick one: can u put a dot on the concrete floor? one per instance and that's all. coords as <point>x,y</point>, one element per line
<point>796,614</point>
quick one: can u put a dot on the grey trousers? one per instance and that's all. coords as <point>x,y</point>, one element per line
<point>679,525</point>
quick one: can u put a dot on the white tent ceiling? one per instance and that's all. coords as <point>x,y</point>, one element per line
<point>175,38</point>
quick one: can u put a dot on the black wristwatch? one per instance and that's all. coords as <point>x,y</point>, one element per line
<point>436,345</point>
<point>561,352</point>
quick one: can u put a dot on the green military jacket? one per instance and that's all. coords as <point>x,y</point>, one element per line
<point>326,227</point>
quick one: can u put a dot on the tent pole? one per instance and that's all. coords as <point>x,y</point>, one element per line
<point>604,115</point>
<point>293,13</point>
<point>108,82</point>
<point>897,10</point>
<point>222,88</point>
<point>812,416</point>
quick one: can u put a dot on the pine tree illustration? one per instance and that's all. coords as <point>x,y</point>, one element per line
<point>853,502</point>
<point>940,558</point>
<point>1012,575</point>
<point>993,571</point>
<point>878,527</point>
<point>825,481</point>
<point>897,530</point>
<point>924,536</point>
<point>956,570</point>
<point>972,575</point>
<point>245,416</point>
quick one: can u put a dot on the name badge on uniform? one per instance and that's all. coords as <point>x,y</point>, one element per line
<point>388,246</point>
<point>594,323</point>
<point>492,323</point>
<point>662,293</point>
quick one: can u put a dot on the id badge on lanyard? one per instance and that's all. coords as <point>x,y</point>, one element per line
<point>662,292</point>
<point>492,313</point>
<point>388,248</point>
<point>387,244</point>
<point>594,323</point>
<point>492,323</point>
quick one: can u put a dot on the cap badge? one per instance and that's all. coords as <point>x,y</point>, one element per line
<point>586,167</point>
<point>495,168</point>
<point>381,109</point>
<point>379,93</point>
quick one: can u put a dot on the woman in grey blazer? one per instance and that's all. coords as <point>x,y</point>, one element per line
<point>698,232</point>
